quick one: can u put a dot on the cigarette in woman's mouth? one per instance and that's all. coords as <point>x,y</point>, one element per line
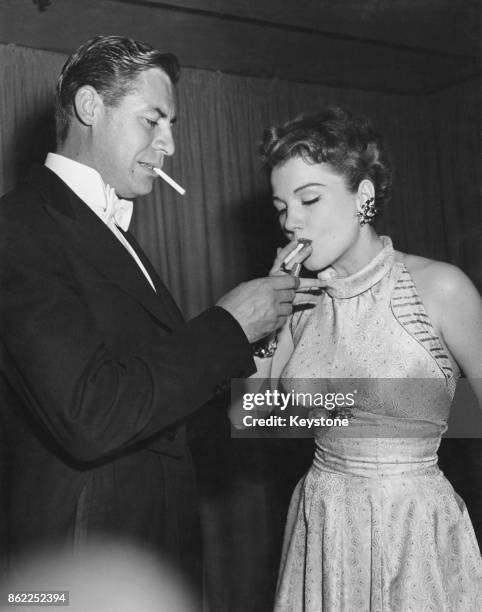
<point>302,242</point>
<point>169,180</point>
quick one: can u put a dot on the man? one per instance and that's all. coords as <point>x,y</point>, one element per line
<point>99,368</point>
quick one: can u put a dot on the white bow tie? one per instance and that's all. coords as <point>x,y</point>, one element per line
<point>117,210</point>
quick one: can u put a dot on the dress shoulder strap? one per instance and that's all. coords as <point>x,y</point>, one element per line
<point>408,309</point>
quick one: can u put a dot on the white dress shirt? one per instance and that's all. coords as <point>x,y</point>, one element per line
<point>87,183</point>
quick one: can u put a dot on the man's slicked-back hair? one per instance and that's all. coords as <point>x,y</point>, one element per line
<point>334,136</point>
<point>110,64</point>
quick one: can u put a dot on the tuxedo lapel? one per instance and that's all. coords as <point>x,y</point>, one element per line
<point>162,291</point>
<point>99,245</point>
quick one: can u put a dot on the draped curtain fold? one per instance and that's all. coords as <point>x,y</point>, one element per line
<point>223,231</point>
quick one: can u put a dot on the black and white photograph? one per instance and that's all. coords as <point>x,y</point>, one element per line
<point>240,306</point>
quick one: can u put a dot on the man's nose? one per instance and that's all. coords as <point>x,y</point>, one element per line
<point>164,140</point>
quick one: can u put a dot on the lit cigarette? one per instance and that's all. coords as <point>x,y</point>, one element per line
<point>302,242</point>
<point>169,180</point>
<point>294,252</point>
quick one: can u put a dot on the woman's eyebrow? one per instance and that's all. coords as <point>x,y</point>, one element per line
<point>309,185</point>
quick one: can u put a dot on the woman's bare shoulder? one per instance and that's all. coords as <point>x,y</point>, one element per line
<point>446,292</point>
<point>435,276</point>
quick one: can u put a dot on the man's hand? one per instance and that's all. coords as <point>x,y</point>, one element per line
<point>262,305</point>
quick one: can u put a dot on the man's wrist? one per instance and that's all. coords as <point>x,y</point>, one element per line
<point>266,347</point>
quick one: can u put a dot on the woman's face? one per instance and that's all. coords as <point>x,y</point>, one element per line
<point>313,202</point>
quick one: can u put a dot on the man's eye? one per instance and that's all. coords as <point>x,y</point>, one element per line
<point>150,122</point>
<point>309,202</point>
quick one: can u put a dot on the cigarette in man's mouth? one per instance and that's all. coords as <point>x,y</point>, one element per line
<point>169,180</point>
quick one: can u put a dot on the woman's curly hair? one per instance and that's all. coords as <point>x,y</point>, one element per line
<point>348,144</point>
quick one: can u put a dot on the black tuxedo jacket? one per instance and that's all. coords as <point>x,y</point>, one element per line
<point>98,372</point>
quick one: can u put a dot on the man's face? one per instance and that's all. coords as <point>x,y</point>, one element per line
<point>136,132</point>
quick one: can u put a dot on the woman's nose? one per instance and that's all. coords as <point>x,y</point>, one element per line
<point>293,222</point>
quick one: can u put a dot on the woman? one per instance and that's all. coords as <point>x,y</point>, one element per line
<point>374,524</point>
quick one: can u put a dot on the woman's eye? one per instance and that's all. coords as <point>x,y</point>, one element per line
<point>281,212</point>
<point>309,202</point>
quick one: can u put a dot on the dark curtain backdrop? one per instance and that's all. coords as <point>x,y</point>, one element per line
<point>223,232</point>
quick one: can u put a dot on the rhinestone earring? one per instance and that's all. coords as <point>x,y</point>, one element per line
<point>367,212</point>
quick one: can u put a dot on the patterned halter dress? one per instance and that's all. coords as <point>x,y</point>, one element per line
<point>374,525</point>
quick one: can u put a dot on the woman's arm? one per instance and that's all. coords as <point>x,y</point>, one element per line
<point>455,308</point>
<point>268,369</point>
<point>266,377</point>
<point>461,320</point>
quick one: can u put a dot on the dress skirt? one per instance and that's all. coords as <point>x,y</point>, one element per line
<point>397,543</point>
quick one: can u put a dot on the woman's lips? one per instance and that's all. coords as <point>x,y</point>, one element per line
<point>302,243</point>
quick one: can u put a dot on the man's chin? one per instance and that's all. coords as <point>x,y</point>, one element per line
<point>138,190</point>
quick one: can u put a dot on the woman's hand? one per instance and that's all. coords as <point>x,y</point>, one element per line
<point>283,253</point>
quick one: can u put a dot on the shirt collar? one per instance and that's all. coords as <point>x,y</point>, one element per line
<point>84,181</point>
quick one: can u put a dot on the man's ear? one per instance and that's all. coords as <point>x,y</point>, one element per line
<point>88,104</point>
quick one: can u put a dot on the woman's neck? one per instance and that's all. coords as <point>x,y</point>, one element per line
<point>367,246</point>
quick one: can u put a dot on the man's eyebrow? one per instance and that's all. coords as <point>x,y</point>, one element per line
<point>162,113</point>
<point>309,185</point>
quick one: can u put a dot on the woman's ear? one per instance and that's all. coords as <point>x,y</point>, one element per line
<point>366,192</point>
<point>88,104</point>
